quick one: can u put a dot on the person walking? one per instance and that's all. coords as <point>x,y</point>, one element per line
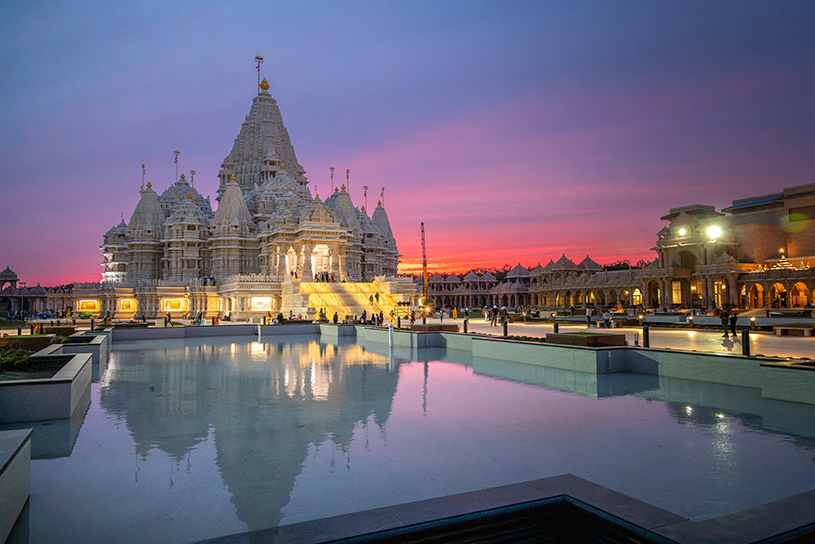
<point>588,317</point>
<point>494,316</point>
<point>733,319</point>
<point>724,315</point>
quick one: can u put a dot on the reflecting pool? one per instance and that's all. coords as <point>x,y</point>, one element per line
<point>190,439</point>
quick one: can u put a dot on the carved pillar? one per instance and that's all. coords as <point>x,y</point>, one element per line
<point>734,294</point>
<point>308,273</point>
<point>334,253</point>
<point>343,263</point>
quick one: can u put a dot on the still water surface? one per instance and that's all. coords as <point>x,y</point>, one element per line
<point>191,439</point>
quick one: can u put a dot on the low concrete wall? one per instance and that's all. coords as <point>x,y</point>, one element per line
<point>15,477</point>
<point>243,329</point>
<point>555,356</point>
<point>790,383</point>
<point>703,367</point>
<point>336,331</point>
<point>54,398</point>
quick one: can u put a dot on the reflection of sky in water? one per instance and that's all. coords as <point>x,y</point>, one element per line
<point>255,434</point>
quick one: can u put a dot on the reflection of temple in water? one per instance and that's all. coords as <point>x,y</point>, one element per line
<point>264,407</point>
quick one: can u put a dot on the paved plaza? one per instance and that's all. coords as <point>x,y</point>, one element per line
<point>706,340</point>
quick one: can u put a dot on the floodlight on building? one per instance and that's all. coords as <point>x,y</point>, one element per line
<point>682,232</point>
<point>714,232</point>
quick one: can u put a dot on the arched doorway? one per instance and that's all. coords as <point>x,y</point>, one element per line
<point>778,296</point>
<point>654,296</point>
<point>636,297</point>
<point>799,295</point>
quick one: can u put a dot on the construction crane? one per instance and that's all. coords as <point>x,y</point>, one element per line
<point>426,299</point>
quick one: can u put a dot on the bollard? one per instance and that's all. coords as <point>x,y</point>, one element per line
<point>636,339</point>
<point>690,321</point>
<point>92,327</point>
<point>74,322</point>
<point>19,331</point>
<point>31,332</point>
<point>424,320</point>
<point>745,342</point>
<point>390,334</point>
<point>555,325</point>
<point>465,326</point>
<point>398,321</point>
<point>646,340</point>
<point>52,322</point>
<point>752,323</point>
<point>504,323</point>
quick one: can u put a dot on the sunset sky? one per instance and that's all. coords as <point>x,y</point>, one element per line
<point>516,131</point>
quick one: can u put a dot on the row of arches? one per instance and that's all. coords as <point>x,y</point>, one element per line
<point>778,295</point>
<point>511,300</point>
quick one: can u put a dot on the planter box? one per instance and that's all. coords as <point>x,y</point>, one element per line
<point>30,343</point>
<point>435,328</point>
<point>59,330</point>
<point>53,398</point>
<point>592,340</point>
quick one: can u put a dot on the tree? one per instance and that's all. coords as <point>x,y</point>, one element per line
<point>624,264</point>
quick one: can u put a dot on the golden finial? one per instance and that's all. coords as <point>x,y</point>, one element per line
<point>282,166</point>
<point>363,208</point>
<point>149,185</point>
<point>379,203</point>
<point>317,196</point>
<point>264,85</point>
<point>182,176</point>
<point>189,196</point>
<point>343,186</point>
<point>233,177</point>
<point>336,190</point>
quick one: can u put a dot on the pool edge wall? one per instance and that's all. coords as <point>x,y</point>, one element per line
<point>15,477</point>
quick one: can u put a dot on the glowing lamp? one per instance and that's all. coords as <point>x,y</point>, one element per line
<point>682,232</point>
<point>714,232</point>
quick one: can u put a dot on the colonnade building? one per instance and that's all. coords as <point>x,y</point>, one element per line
<point>176,255</point>
<point>756,253</point>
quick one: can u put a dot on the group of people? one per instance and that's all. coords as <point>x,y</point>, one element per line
<point>495,315</point>
<point>729,319</point>
<point>376,319</point>
<point>324,277</point>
